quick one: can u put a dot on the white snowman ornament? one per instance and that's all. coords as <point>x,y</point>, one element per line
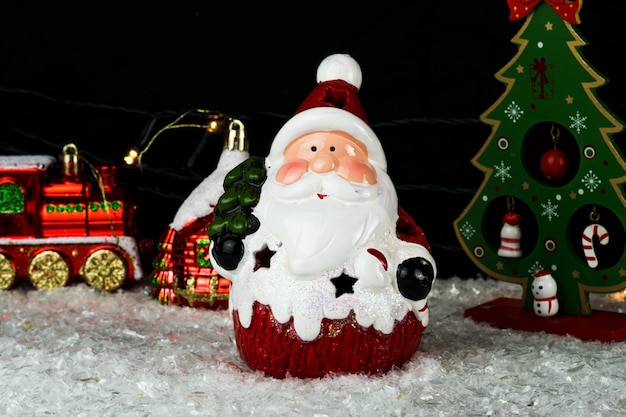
<point>323,279</point>
<point>544,288</point>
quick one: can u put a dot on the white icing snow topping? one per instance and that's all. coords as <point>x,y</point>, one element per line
<point>376,301</point>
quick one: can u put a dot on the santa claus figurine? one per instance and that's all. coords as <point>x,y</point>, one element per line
<point>328,274</point>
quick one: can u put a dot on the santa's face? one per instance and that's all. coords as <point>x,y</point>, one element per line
<point>324,202</point>
<point>322,152</point>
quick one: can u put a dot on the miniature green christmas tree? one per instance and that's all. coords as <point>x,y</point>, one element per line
<point>553,192</point>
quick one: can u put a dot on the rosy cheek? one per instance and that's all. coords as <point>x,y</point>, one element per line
<point>291,171</point>
<point>357,171</point>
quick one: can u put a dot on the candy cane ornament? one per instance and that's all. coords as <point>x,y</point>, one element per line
<point>587,242</point>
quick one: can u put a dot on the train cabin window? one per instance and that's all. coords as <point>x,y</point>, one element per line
<point>11,198</point>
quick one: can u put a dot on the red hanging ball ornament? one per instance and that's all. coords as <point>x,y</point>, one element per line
<point>554,163</point>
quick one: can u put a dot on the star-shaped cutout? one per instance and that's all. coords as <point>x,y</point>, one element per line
<point>520,69</point>
<point>569,99</point>
<point>343,285</point>
<point>548,26</point>
<point>622,272</point>
<point>576,274</point>
<point>525,185</point>
<point>572,195</point>
<point>499,266</point>
<point>262,258</point>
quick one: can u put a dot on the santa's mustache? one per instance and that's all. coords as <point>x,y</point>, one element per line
<point>327,185</point>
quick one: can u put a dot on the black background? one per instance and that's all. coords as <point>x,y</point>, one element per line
<point>108,75</point>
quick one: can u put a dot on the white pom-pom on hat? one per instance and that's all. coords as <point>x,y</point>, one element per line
<point>340,67</point>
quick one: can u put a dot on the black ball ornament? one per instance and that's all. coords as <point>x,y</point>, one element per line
<point>415,277</point>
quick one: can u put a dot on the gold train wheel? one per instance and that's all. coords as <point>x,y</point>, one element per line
<point>104,269</point>
<point>48,270</point>
<point>7,273</point>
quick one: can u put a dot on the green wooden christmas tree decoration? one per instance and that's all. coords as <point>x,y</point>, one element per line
<point>553,193</point>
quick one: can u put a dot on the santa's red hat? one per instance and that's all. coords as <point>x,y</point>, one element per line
<point>332,105</point>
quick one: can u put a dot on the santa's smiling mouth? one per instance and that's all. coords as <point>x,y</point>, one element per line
<point>322,196</point>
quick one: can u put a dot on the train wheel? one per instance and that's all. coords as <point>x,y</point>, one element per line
<point>48,270</point>
<point>7,273</point>
<point>104,269</point>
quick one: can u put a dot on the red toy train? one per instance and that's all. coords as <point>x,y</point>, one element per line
<point>57,224</point>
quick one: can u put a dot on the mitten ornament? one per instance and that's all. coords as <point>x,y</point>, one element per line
<point>328,274</point>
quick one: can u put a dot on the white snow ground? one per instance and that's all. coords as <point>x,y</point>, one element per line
<point>77,351</point>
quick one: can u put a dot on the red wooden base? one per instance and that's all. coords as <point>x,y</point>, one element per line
<point>507,313</point>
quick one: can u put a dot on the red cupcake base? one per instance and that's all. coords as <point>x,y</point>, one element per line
<point>343,346</point>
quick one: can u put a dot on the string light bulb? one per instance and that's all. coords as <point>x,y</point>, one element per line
<point>131,157</point>
<point>213,126</point>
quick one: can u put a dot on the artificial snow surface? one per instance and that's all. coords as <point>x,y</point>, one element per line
<point>78,351</point>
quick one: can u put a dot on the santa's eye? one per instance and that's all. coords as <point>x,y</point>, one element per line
<point>313,148</point>
<point>332,149</point>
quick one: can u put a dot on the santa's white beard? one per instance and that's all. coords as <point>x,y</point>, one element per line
<point>320,235</point>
